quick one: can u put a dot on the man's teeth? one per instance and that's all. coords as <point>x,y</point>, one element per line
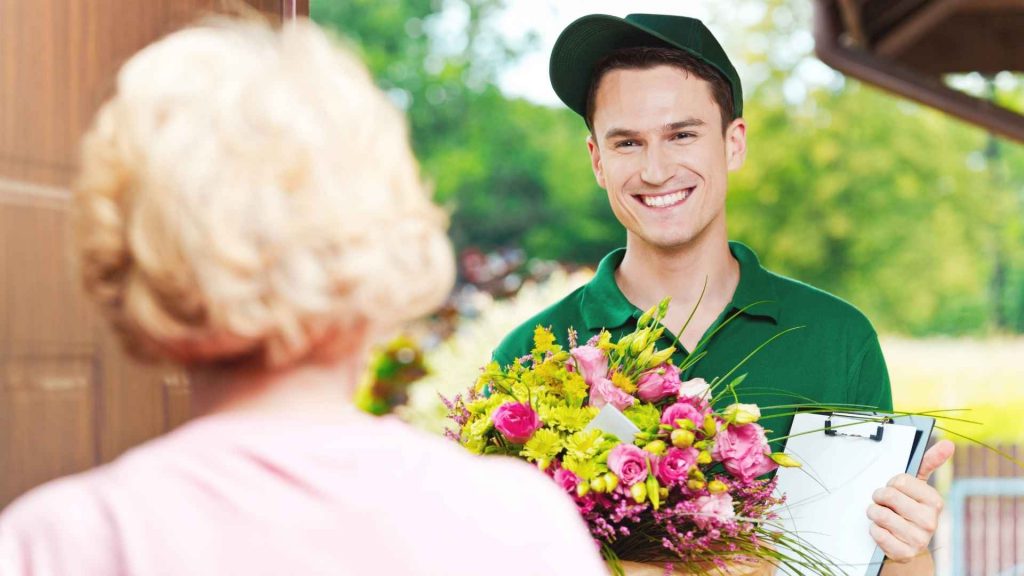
<point>666,199</point>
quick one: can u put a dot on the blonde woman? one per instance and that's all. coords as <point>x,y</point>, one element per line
<point>248,206</point>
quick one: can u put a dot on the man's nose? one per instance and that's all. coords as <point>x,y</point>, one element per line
<point>657,168</point>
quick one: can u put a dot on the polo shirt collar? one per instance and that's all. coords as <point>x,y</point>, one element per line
<point>604,305</point>
<point>756,285</point>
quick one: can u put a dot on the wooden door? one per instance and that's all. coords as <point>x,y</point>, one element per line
<point>69,397</point>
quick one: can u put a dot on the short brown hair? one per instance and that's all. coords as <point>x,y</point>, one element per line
<point>645,58</point>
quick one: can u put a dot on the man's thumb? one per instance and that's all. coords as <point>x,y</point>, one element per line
<point>935,456</point>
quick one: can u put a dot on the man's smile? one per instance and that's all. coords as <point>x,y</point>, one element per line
<point>666,200</point>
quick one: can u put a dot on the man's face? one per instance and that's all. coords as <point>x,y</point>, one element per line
<point>659,151</point>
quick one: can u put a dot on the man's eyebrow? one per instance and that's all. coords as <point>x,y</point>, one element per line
<point>620,133</point>
<point>674,126</point>
<point>684,124</point>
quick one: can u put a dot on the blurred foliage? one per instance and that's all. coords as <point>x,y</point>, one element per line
<point>393,368</point>
<point>911,215</point>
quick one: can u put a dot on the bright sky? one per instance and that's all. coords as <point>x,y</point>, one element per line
<point>529,77</point>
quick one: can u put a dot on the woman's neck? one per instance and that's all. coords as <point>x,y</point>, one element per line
<point>314,391</point>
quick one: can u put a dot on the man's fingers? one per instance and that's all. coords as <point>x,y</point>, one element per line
<point>922,515</point>
<point>935,456</point>
<point>917,489</point>
<point>893,547</point>
<point>902,529</point>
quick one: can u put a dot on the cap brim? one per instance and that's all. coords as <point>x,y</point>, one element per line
<point>583,44</point>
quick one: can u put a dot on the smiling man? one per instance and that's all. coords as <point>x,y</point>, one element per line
<point>664,107</point>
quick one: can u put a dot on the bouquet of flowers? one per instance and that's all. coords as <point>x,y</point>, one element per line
<point>658,474</point>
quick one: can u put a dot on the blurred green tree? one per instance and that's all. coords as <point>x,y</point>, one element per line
<point>912,216</point>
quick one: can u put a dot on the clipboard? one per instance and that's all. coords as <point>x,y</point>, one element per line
<point>846,456</point>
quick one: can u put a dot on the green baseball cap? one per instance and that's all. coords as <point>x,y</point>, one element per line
<point>586,41</point>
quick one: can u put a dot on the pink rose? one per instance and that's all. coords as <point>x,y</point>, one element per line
<point>673,467</point>
<point>566,479</point>
<point>714,509</point>
<point>604,392</point>
<point>696,388</point>
<point>682,411</point>
<point>629,463</point>
<point>591,362</point>
<point>744,451</point>
<point>658,383</point>
<point>516,422</point>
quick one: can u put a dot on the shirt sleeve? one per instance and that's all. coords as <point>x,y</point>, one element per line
<point>869,376</point>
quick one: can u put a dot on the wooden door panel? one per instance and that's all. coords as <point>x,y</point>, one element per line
<point>47,420</point>
<point>70,397</point>
<point>43,309</point>
<point>59,63</point>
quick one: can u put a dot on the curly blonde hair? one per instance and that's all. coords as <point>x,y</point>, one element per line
<point>248,192</point>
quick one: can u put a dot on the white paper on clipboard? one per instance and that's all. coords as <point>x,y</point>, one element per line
<point>827,499</point>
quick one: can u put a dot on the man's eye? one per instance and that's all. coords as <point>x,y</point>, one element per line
<point>683,135</point>
<point>626,144</point>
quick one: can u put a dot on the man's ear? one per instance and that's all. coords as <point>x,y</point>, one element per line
<point>595,160</point>
<point>736,144</point>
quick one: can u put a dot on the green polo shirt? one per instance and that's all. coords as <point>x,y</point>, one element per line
<point>833,359</point>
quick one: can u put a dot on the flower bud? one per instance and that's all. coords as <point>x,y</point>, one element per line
<point>654,491</point>
<point>704,457</point>
<point>717,487</point>
<point>611,481</point>
<point>785,460</point>
<point>644,359</point>
<point>695,485</point>
<point>623,344</point>
<point>639,492</point>
<point>663,308</point>
<point>742,413</point>
<point>582,489</point>
<point>662,356</point>
<point>682,438</point>
<point>637,345</point>
<point>710,427</point>
<point>656,447</point>
<point>696,474</point>
<point>598,485</point>
<point>663,492</point>
<point>685,424</point>
<point>646,318</point>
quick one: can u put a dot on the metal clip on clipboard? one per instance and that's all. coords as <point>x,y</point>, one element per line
<point>877,436</point>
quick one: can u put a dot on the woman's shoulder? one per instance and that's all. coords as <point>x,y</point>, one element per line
<point>61,527</point>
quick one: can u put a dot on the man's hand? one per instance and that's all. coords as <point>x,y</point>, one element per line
<point>906,511</point>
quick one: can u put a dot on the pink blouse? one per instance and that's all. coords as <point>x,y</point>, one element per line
<point>230,494</point>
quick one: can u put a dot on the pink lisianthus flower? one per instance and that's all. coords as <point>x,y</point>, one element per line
<point>744,451</point>
<point>591,362</point>
<point>517,422</point>
<point>604,392</point>
<point>683,410</point>
<point>658,383</point>
<point>629,463</point>
<point>714,509</point>
<point>672,467</point>
<point>566,480</point>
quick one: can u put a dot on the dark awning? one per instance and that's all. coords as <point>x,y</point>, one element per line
<point>906,46</point>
